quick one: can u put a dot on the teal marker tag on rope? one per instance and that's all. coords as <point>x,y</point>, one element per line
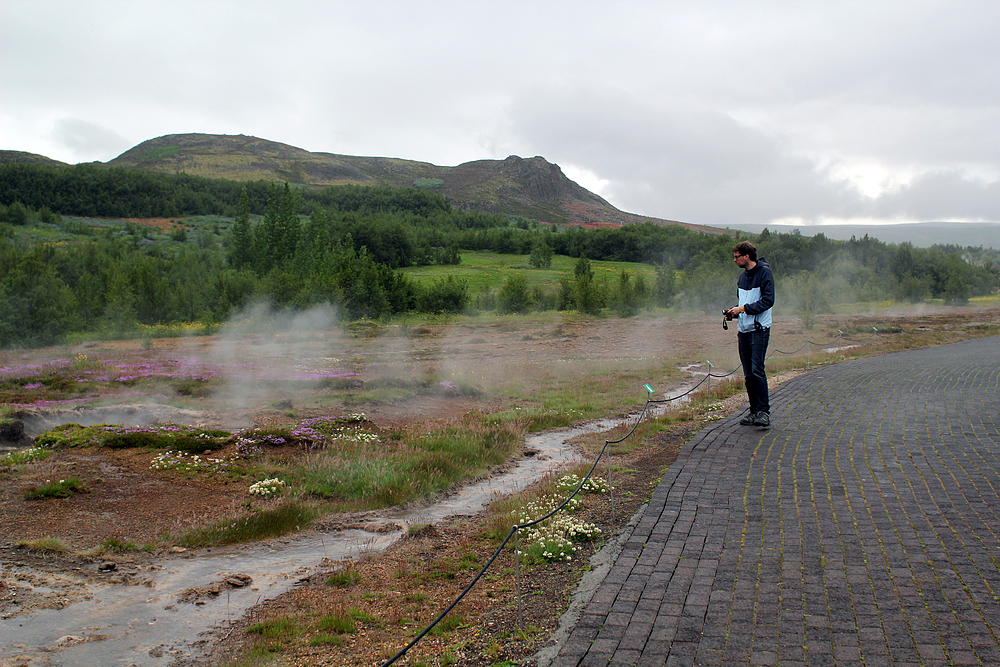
<point>648,388</point>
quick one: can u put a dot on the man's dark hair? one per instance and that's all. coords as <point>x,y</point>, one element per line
<point>746,248</point>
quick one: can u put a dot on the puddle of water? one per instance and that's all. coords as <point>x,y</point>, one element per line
<point>831,350</point>
<point>139,625</point>
<point>138,415</point>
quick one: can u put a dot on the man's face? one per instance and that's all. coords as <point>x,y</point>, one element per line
<point>741,260</point>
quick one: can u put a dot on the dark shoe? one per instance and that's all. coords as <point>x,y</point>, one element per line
<point>749,420</point>
<point>762,419</point>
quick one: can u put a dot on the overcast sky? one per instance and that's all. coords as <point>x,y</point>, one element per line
<point>718,113</point>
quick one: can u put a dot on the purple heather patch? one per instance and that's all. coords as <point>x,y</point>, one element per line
<point>45,404</point>
<point>137,368</point>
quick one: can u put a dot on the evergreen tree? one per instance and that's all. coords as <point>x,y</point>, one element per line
<point>589,295</point>
<point>119,311</point>
<point>241,245</point>
<point>666,284</point>
<point>514,295</point>
<point>626,298</point>
<point>541,255</point>
<point>288,227</point>
<point>264,234</point>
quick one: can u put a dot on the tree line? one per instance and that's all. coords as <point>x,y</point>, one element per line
<point>93,190</point>
<point>347,246</point>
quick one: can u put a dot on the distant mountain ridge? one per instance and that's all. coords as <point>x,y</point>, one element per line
<point>532,188</point>
<point>529,187</point>
<point>919,234</point>
<point>21,157</point>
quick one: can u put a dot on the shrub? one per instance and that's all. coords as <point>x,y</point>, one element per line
<point>275,628</point>
<point>446,295</point>
<point>24,456</point>
<point>44,544</point>
<point>514,295</point>
<point>256,526</point>
<point>343,578</point>
<point>64,488</point>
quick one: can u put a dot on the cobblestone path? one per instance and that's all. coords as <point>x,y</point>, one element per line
<point>862,529</point>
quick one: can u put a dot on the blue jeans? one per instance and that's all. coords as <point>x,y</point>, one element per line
<point>753,349</point>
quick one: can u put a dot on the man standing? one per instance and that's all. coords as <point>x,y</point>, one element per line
<point>756,296</point>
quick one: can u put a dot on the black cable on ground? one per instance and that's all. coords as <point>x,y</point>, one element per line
<point>517,527</point>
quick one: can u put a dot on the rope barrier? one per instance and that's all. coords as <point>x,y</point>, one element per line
<point>516,528</point>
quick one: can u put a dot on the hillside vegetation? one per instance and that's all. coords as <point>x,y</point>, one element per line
<point>155,239</point>
<point>360,250</point>
<point>531,188</point>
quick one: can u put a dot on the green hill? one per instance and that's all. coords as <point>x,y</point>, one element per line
<point>532,188</point>
<point>20,157</point>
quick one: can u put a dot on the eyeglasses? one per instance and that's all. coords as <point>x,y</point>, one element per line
<point>736,257</point>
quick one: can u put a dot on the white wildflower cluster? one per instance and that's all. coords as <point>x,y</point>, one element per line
<point>554,538</point>
<point>362,437</point>
<point>543,505</point>
<point>24,456</point>
<point>171,460</point>
<point>568,484</point>
<point>547,542</point>
<point>267,488</point>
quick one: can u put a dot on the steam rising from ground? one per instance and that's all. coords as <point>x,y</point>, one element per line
<point>303,361</point>
<point>261,349</point>
<point>273,357</point>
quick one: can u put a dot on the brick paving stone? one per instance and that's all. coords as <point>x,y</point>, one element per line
<point>861,529</point>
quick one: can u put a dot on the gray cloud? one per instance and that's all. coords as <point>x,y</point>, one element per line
<point>699,164</point>
<point>84,139</point>
<point>718,113</point>
<point>942,196</point>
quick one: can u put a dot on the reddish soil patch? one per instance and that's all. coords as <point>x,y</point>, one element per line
<point>158,223</point>
<point>127,501</point>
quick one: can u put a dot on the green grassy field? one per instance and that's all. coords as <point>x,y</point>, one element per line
<point>488,270</point>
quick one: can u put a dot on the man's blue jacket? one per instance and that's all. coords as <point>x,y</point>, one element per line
<point>756,292</point>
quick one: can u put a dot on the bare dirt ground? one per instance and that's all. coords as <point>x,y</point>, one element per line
<point>393,595</point>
